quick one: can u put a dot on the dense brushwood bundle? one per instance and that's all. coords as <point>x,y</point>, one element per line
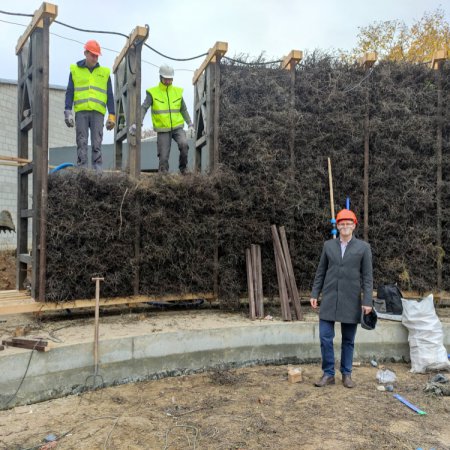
<point>274,142</point>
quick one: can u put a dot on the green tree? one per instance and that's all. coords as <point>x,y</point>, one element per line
<point>394,40</point>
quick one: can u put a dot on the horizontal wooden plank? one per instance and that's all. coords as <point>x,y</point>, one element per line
<point>139,33</point>
<point>46,9</point>
<point>219,49</point>
<point>19,306</point>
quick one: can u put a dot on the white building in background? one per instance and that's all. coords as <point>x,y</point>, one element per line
<point>59,136</point>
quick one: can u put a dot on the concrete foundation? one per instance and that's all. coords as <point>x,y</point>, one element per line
<point>65,368</point>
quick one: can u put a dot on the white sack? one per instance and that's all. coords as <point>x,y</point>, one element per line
<point>426,338</point>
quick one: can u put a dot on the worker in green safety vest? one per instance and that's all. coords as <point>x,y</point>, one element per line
<point>169,113</point>
<point>90,93</point>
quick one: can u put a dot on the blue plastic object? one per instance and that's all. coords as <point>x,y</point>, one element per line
<point>410,405</point>
<point>347,203</point>
<point>61,166</point>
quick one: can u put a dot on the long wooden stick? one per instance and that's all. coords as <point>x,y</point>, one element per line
<point>290,269</point>
<point>284,300</point>
<point>330,180</point>
<point>97,314</point>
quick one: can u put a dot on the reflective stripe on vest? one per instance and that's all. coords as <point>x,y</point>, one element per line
<point>90,93</point>
<point>166,107</point>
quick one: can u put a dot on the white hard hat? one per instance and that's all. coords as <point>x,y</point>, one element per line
<point>166,71</point>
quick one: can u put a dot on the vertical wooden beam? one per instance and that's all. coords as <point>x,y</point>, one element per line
<point>22,178</point>
<point>250,285</point>
<point>367,61</point>
<point>437,65</point>
<point>127,71</point>
<point>289,63</point>
<point>33,88</point>
<point>44,156</point>
<point>211,68</point>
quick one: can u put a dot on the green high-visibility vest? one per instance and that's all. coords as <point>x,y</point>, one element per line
<point>166,107</point>
<point>90,88</point>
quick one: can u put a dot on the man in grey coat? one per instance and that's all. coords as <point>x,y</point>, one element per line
<point>345,269</point>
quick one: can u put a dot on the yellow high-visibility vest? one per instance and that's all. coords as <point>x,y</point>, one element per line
<point>166,107</point>
<point>90,88</point>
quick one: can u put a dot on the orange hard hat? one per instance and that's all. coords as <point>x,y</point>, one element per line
<point>346,214</point>
<point>93,47</point>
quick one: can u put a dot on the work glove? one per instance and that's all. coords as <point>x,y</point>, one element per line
<point>68,118</point>
<point>132,130</point>
<point>191,131</point>
<point>111,122</point>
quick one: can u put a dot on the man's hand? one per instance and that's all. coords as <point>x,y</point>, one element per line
<point>68,118</point>
<point>132,130</point>
<point>313,302</point>
<point>366,309</point>
<point>111,122</point>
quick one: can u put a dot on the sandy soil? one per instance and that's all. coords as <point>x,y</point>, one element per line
<point>250,408</point>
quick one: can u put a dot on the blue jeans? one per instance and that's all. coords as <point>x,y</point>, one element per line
<point>326,332</point>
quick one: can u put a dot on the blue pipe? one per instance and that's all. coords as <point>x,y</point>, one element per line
<point>61,166</point>
<point>347,203</point>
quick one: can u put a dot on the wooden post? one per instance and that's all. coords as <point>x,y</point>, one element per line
<point>97,317</point>
<point>330,182</point>
<point>127,79</point>
<point>33,109</point>
<point>206,107</point>
<point>250,285</point>
<point>284,300</point>
<point>437,62</point>
<point>291,275</point>
<point>367,61</point>
<point>289,63</point>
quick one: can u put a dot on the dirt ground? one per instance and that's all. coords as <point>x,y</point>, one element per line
<point>249,408</point>
<point>7,270</point>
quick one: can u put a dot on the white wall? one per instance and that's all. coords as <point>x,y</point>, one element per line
<point>59,136</point>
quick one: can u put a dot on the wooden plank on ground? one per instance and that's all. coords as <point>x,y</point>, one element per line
<point>30,344</point>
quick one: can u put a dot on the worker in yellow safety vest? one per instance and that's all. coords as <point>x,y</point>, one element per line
<point>169,113</point>
<point>90,93</point>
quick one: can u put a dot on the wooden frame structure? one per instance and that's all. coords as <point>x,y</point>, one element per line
<point>206,83</point>
<point>127,82</point>
<point>32,51</point>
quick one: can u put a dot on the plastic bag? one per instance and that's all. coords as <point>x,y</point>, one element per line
<point>386,376</point>
<point>426,337</point>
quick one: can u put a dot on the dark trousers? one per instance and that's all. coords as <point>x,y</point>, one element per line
<point>326,332</point>
<point>93,121</point>
<point>164,141</point>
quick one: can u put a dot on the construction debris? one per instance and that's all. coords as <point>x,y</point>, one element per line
<point>31,344</point>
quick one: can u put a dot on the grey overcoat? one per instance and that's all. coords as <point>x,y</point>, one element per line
<point>341,280</point>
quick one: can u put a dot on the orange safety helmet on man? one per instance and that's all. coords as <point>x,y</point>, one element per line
<point>346,214</point>
<point>93,47</point>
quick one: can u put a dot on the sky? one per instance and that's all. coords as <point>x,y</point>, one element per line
<point>182,29</point>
